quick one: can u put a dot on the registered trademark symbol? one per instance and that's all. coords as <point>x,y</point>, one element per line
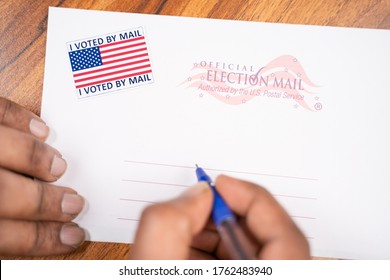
<point>318,106</point>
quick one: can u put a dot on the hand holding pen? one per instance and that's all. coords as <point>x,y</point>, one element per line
<point>236,242</point>
<point>181,228</point>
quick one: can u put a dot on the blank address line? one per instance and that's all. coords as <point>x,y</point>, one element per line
<point>186,186</point>
<point>224,170</point>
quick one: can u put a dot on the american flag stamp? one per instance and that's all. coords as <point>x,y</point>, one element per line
<point>110,62</point>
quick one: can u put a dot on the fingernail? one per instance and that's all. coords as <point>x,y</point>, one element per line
<point>58,166</point>
<point>72,204</point>
<point>72,235</point>
<point>39,129</point>
<point>195,190</point>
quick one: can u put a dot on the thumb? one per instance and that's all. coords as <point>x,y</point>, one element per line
<point>166,229</point>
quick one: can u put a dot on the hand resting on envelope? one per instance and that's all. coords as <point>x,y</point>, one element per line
<point>180,228</point>
<point>35,217</point>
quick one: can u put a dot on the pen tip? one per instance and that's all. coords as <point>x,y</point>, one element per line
<point>196,165</point>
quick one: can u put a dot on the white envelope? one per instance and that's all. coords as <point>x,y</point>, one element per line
<point>135,101</point>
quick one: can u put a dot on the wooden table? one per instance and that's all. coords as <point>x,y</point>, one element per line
<point>23,40</point>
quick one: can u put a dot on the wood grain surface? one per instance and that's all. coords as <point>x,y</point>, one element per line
<point>23,27</point>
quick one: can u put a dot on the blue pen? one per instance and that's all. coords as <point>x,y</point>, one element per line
<point>231,234</point>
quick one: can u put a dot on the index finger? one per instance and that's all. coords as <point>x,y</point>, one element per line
<point>265,218</point>
<point>15,116</point>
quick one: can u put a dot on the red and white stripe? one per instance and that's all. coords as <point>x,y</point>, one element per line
<point>121,60</point>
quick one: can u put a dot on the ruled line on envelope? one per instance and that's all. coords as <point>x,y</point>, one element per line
<point>186,186</point>
<point>155,183</point>
<point>224,170</point>
<point>137,220</point>
<point>296,217</point>
<point>154,202</point>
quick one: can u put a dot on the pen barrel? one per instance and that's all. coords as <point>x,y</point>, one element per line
<point>236,242</point>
